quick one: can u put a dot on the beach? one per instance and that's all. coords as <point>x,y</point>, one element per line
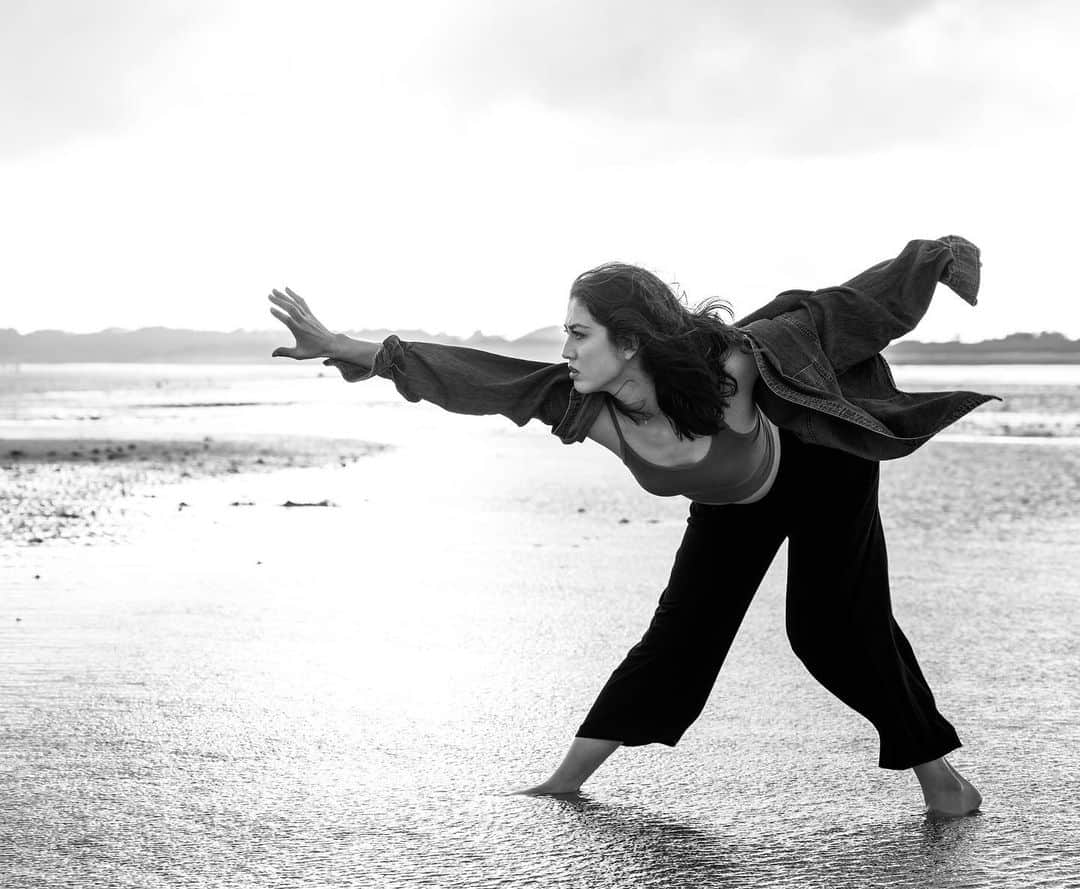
<point>205,686</point>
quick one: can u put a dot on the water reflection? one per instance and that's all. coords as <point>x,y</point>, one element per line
<point>627,844</point>
<point>946,845</point>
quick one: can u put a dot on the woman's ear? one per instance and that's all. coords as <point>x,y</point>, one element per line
<point>629,347</point>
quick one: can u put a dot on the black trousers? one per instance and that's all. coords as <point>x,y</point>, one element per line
<point>839,615</point>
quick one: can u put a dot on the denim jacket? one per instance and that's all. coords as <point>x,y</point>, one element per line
<point>818,354</point>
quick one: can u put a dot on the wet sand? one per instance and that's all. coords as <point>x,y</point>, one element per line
<point>82,489</point>
<point>308,697</point>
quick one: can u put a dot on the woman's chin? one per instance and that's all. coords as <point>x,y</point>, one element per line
<point>584,387</point>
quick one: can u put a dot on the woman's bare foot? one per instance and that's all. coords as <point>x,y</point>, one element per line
<point>548,788</point>
<point>581,760</point>
<point>946,791</point>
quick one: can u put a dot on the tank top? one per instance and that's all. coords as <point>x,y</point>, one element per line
<point>739,467</point>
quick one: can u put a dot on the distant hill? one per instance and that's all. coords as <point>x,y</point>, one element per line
<point>162,345</point>
<point>1016,348</point>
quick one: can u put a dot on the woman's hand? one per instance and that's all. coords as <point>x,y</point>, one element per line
<point>313,340</point>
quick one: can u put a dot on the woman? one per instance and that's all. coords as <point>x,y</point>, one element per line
<point>773,427</point>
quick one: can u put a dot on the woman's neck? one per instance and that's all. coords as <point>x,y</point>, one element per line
<point>637,392</point>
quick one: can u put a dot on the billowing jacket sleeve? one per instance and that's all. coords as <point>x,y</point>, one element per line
<point>856,320</point>
<point>469,381</point>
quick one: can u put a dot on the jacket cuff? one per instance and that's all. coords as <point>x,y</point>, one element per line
<point>961,275</point>
<point>390,354</point>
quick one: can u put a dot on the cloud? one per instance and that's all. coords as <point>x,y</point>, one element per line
<point>74,68</point>
<point>750,76</point>
<point>821,78</point>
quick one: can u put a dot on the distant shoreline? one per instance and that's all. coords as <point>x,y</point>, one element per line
<point>984,358</point>
<point>159,345</point>
<point>927,358</point>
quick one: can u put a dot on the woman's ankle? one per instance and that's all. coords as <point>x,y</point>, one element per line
<point>945,790</point>
<point>938,774</point>
<point>583,758</point>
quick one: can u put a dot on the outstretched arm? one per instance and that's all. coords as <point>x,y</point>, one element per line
<point>467,381</point>
<point>860,317</point>
<point>456,378</point>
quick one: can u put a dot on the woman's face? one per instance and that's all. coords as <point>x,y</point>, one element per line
<point>590,352</point>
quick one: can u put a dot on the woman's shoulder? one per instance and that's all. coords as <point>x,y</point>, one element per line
<point>741,412</point>
<point>740,363</point>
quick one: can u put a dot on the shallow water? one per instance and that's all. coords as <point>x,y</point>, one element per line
<point>251,695</point>
<point>1038,400</point>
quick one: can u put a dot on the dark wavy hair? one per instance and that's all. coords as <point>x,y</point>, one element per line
<point>681,349</point>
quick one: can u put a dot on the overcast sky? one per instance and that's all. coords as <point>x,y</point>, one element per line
<point>453,165</point>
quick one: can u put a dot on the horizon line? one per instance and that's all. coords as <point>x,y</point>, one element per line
<point>475,334</point>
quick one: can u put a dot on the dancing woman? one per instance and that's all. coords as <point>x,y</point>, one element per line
<point>773,427</point>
